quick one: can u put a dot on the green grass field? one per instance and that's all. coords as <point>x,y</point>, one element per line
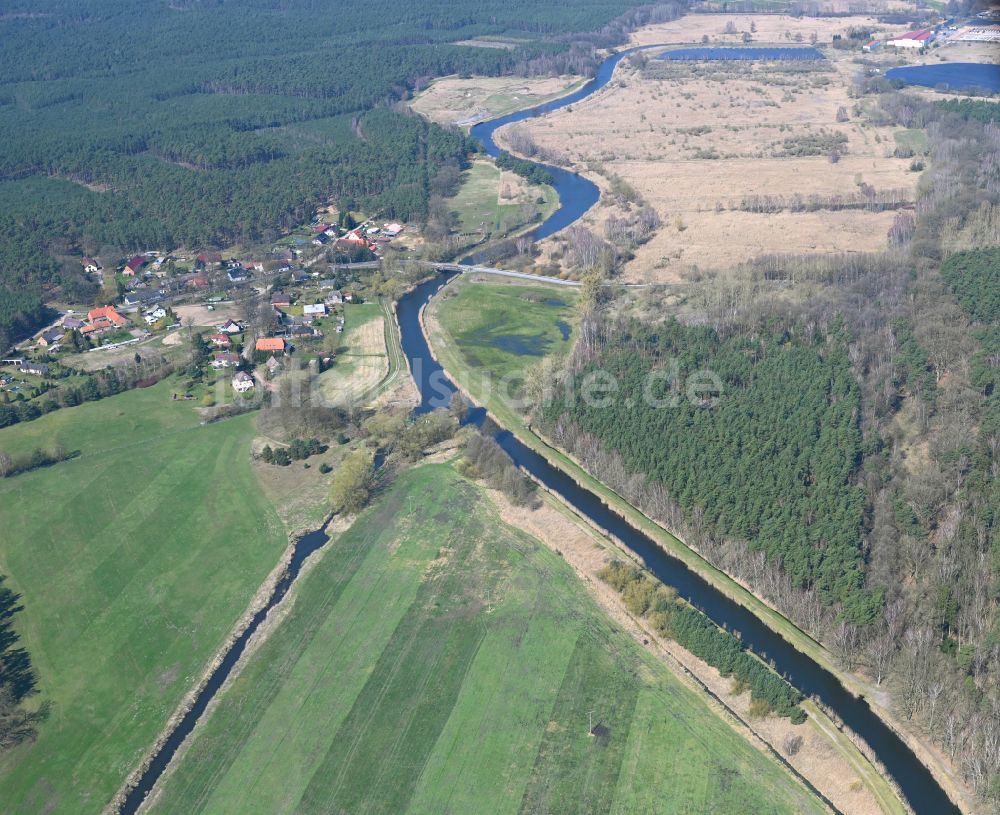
<point>459,357</point>
<point>438,661</point>
<point>478,204</point>
<point>913,138</point>
<point>134,561</point>
<point>501,329</point>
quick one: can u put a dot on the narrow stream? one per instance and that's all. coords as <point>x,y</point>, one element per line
<point>304,547</point>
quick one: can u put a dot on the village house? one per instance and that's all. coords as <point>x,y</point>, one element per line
<point>72,323</point>
<point>220,340</point>
<point>391,230</point>
<point>237,275</point>
<point>230,327</point>
<point>314,310</point>
<point>154,315</point>
<point>105,317</point>
<point>34,368</point>
<point>133,266</point>
<point>90,265</point>
<point>280,299</point>
<point>51,338</point>
<point>209,259</point>
<point>272,365</point>
<point>242,382</point>
<point>273,344</point>
<point>142,297</point>
<point>301,331</point>
<point>335,298</point>
<point>225,359</point>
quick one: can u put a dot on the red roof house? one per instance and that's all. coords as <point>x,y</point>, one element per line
<point>107,315</point>
<point>134,266</point>
<point>271,344</point>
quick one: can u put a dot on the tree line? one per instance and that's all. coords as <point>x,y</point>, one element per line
<point>693,631</point>
<point>17,678</point>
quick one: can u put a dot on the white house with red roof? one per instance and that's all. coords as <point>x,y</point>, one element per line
<point>912,39</point>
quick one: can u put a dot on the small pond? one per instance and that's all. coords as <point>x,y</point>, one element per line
<point>954,76</point>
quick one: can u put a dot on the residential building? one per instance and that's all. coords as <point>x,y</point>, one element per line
<point>51,337</point>
<point>314,310</point>
<point>242,382</point>
<point>34,368</point>
<point>154,315</point>
<point>274,344</point>
<point>134,265</point>
<point>106,314</point>
<point>225,359</point>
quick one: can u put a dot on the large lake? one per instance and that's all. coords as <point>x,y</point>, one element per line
<point>722,53</point>
<point>955,76</point>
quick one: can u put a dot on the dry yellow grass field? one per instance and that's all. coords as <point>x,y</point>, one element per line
<point>454,100</point>
<point>360,368</point>
<point>770,28</point>
<point>695,139</point>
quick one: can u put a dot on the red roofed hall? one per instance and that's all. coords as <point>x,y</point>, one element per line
<point>270,344</point>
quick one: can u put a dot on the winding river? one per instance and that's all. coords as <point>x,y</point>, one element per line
<point>576,196</point>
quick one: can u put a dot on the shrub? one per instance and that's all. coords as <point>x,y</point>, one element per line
<point>792,744</point>
<point>351,485</point>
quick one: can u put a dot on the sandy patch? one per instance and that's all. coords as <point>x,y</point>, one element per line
<point>824,765</point>
<point>200,315</point>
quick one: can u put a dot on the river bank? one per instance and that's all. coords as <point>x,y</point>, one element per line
<point>724,600</point>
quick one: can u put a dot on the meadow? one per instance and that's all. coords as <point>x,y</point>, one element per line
<point>361,361</point>
<point>500,329</point>
<point>134,561</point>
<point>437,660</point>
<point>492,202</point>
